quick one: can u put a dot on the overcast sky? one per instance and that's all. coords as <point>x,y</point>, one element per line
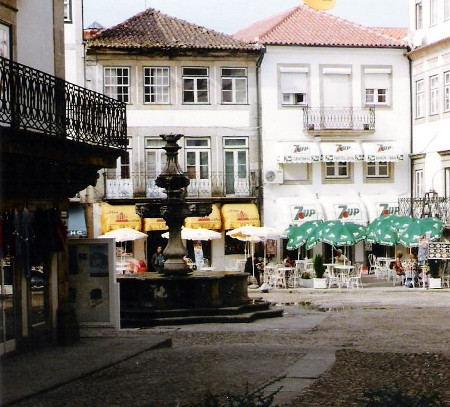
<point>229,16</point>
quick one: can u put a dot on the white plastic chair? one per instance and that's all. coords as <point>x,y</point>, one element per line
<point>355,280</point>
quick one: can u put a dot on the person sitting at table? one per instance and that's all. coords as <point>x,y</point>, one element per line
<point>288,262</point>
<point>252,267</point>
<point>340,258</point>
<point>398,267</point>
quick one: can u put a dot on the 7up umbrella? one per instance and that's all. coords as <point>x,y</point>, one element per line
<point>340,233</point>
<point>382,232</point>
<point>299,234</point>
<point>409,236</point>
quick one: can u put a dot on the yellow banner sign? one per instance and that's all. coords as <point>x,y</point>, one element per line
<point>212,221</point>
<point>320,4</point>
<point>154,224</point>
<point>118,217</point>
<point>236,215</point>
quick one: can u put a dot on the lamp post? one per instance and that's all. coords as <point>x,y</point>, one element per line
<point>175,209</point>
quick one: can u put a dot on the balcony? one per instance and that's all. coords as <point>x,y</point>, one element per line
<point>338,120</point>
<point>54,135</point>
<point>32,100</point>
<point>218,185</point>
<point>426,207</point>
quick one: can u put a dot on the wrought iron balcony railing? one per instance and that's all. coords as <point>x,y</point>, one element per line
<point>339,118</point>
<point>36,101</point>
<point>426,207</point>
<point>220,185</point>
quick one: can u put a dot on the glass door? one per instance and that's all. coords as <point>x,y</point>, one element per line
<point>7,315</point>
<point>155,161</point>
<point>197,167</point>
<point>236,173</point>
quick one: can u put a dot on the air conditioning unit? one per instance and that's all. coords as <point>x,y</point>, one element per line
<point>273,177</point>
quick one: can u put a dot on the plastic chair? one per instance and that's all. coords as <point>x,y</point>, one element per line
<point>355,280</point>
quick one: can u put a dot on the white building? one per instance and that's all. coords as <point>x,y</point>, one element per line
<point>177,77</point>
<point>430,60</point>
<point>335,118</point>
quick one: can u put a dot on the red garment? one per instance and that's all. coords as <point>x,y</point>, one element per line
<point>398,266</point>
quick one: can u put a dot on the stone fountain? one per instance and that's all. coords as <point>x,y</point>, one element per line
<point>181,296</point>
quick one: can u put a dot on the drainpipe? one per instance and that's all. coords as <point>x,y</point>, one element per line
<point>259,133</point>
<point>411,107</point>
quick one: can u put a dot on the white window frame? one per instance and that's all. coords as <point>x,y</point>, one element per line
<point>434,94</point>
<point>378,165</point>
<point>447,181</point>
<point>433,12</point>
<point>235,79</point>
<point>418,183</point>
<point>67,11</point>
<point>158,86</point>
<point>447,91</point>
<point>244,144</point>
<point>419,14</point>
<point>420,99</point>
<point>446,10</point>
<point>336,165</point>
<point>5,44</point>
<point>195,90</point>
<point>154,145</point>
<point>375,97</point>
<point>293,99</point>
<point>108,88</point>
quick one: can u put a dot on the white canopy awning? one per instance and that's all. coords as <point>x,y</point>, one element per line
<point>345,208</point>
<point>342,151</point>
<point>296,210</point>
<point>298,153</point>
<point>381,205</point>
<point>382,151</point>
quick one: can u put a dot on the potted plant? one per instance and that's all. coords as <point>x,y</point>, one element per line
<point>434,279</point>
<point>306,280</point>
<point>319,269</point>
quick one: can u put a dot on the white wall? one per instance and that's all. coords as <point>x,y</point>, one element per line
<point>73,44</point>
<point>35,46</point>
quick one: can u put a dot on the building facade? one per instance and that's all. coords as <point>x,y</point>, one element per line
<point>335,119</point>
<point>176,77</point>
<point>430,83</point>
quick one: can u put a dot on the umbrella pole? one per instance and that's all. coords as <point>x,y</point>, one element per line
<point>253,252</point>
<point>298,253</point>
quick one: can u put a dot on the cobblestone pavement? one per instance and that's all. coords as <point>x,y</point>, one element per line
<point>381,336</point>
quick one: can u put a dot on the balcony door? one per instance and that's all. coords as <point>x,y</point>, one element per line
<point>119,183</point>
<point>198,166</point>
<point>7,321</point>
<point>155,161</point>
<point>5,41</point>
<point>337,99</point>
<point>236,167</point>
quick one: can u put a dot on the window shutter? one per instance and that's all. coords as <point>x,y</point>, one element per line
<point>294,82</point>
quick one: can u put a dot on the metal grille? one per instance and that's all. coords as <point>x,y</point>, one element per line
<point>33,100</point>
<point>335,118</point>
<point>422,208</point>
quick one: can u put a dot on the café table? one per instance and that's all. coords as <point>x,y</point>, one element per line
<point>285,273</point>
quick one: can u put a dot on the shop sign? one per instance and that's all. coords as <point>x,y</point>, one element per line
<point>302,213</point>
<point>348,212</point>
<point>387,208</point>
<point>320,4</point>
<point>439,250</point>
<point>384,152</point>
<point>299,153</point>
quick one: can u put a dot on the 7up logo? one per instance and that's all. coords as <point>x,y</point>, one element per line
<point>382,148</point>
<point>388,210</point>
<point>300,149</point>
<point>301,213</point>
<point>341,148</point>
<point>346,211</point>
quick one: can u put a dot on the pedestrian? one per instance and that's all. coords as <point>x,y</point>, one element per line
<point>341,258</point>
<point>253,267</point>
<point>158,260</point>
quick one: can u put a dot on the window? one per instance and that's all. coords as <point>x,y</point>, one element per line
<point>117,83</point>
<point>67,11</point>
<point>236,166</point>
<point>123,166</point>
<point>419,20</point>
<point>447,91</point>
<point>446,9</point>
<point>377,83</point>
<point>336,170</point>
<point>156,85</point>
<point>195,85</point>
<point>377,170</point>
<point>434,94</point>
<point>197,158</point>
<point>447,182</point>
<point>5,45</point>
<point>418,184</point>
<point>234,85</point>
<point>420,99</point>
<point>433,12</point>
<point>294,85</point>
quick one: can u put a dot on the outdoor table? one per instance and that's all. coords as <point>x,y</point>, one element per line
<point>385,261</point>
<point>286,271</point>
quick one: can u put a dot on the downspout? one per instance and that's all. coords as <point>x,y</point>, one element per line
<point>411,181</point>
<point>259,134</point>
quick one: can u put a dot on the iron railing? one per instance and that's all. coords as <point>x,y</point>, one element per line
<point>140,185</point>
<point>426,207</point>
<point>36,101</point>
<point>337,118</point>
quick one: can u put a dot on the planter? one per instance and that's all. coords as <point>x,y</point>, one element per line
<point>306,282</point>
<point>320,283</point>
<point>435,283</point>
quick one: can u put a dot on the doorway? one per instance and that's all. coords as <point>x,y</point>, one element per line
<point>7,314</point>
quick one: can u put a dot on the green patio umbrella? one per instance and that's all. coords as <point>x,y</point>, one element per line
<point>409,236</point>
<point>299,234</point>
<point>382,231</point>
<point>338,233</point>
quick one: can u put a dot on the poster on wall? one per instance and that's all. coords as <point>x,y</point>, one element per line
<point>92,286</point>
<point>439,250</point>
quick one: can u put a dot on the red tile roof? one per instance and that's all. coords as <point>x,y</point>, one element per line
<point>302,25</point>
<point>152,29</point>
<point>398,33</point>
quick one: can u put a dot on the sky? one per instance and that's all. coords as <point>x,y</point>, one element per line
<point>229,16</point>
